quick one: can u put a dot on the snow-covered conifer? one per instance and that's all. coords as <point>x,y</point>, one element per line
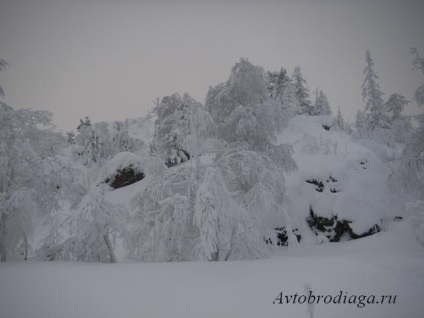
<point>418,63</point>
<point>373,98</point>
<point>340,120</point>
<point>289,99</point>
<point>70,137</point>
<point>302,92</point>
<point>83,129</point>
<point>361,123</point>
<point>121,139</point>
<point>400,125</point>
<point>322,106</point>
<point>93,151</point>
<point>412,167</point>
<point>277,82</point>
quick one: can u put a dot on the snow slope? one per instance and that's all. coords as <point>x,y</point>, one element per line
<point>388,263</point>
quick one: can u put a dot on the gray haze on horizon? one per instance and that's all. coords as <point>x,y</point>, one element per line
<point>109,61</point>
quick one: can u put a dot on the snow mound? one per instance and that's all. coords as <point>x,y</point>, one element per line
<point>124,160</point>
<point>338,178</point>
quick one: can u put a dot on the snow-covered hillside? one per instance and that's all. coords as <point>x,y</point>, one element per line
<point>338,178</point>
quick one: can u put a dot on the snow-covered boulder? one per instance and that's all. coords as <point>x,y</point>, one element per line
<point>124,169</point>
<point>340,186</point>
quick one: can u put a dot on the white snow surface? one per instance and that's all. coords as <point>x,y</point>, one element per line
<point>388,263</point>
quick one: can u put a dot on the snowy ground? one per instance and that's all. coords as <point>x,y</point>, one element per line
<point>389,263</point>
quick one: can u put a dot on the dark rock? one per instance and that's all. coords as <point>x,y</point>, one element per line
<point>364,164</point>
<point>326,127</point>
<point>125,177</point>
<point>282,237</point>
<point>332,179</point>
<point>334,229</point>
<point>319,184</point>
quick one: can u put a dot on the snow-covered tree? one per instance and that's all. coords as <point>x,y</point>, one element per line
<point>245,115</point>
<point>92,230</point>
<point>245,87</point>
<point>163,220</point>
<point>282,89</point>
<point>408,178</point>
<point>340,122</point>
<point>70,137</point>
<point>272,87</point>
<point>93,151</point>
<point>226,230</point>
<point>411,170</point>
<point>28,186</point>
<point>173,127</point>
<point>218,211</point>
<point>106,138</point>
<point>3,64</point>
<point>289,100</point>
<point>121,139</point>
<point>252,126</point>
<point>84,125</point>
<point>361,123</point>
<point>277,82</point>
<point>302,92</point>
<point>373,98</point>
<point>400,125</point>
<point>418,63</point>
<point>395,106</point>
<point>322,106</point>
<point>409,175</point>
<point>179,218</point>
<point>83,130</point>
<point>416,219</point>
<point>203,135</point>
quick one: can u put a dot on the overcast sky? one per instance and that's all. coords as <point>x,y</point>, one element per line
<point>110,59</point>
